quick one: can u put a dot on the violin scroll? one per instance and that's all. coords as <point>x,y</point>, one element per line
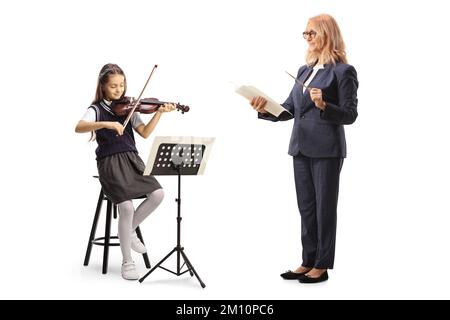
<point>181,107</point>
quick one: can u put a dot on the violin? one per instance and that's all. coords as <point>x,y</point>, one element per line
<point>146,105</point>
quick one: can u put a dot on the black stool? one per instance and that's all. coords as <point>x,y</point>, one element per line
<point>106,240</point>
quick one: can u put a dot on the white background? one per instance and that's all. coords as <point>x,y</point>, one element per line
<point>241,226</point>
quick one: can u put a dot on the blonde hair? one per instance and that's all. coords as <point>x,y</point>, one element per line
<point>331,46</point>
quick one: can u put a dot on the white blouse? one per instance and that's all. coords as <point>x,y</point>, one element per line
<point>316,68</point>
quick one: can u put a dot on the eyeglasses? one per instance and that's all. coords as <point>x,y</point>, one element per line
<point>307,34</point>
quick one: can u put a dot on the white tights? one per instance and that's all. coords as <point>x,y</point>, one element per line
<point>129,219</point>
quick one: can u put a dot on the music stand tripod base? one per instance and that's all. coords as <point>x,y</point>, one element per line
<point>176,159</point>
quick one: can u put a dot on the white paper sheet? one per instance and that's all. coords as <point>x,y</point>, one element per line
<point>272,106</point>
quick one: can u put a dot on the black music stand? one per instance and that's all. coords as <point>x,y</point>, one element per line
<point>177,159</point>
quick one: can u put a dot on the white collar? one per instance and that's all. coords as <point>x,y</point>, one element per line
<point>106,105</point>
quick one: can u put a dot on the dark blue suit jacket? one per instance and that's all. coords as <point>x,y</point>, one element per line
<point>316,133</point>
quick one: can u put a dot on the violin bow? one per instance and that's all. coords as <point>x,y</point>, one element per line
<point>139,98</point>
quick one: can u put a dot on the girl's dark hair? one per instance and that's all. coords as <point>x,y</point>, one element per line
<point>103,78</point>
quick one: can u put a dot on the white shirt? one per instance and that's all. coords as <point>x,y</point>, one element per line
<point>90,116</point>
<point>316,68</point>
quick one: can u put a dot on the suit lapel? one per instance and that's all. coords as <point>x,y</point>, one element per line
<point>305,75</point>
<point>317,78</point>
<point>302,78</point>
<point>303,95</point>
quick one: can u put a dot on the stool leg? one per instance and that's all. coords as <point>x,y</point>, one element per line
<point>107,237</point>
<point>94,228</point>
<point>115,211</point>
<point>144,255</point>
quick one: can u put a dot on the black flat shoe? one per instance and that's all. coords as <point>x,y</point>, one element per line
<point>289,275</point>
<point>305,279</point>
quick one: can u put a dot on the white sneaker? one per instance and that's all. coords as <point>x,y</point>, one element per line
<point>137,245</point>
<point>129,271</point>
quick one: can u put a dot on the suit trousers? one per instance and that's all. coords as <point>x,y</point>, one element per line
<point>317,186</point>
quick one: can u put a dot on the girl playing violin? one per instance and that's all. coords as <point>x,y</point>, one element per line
<point>119,166</point>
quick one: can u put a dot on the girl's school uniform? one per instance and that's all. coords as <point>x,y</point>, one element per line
<point>119,166</point>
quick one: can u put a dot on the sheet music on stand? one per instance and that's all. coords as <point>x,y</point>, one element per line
<point>190,154</point>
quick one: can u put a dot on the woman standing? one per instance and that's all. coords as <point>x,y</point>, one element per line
<point>322,100</point>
